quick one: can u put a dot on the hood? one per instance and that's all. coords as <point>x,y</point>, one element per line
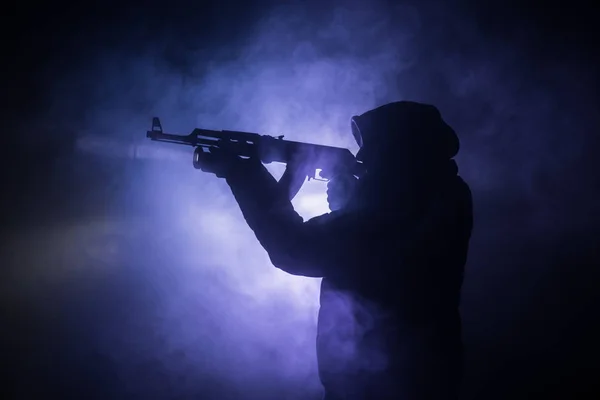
<point>407,127</point>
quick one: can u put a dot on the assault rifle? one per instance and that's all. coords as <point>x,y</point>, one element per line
<point>303,160</point>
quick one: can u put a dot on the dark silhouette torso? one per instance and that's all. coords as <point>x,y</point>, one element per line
<point>389,324</point>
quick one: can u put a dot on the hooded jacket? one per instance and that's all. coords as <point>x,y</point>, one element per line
<point>389,324</point>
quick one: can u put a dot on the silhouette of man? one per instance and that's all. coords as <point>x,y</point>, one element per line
<point>391,254</point>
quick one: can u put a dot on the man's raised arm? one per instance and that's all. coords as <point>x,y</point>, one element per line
<point>310,248</point>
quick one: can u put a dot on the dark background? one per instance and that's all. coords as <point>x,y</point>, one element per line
<point>530,302</point>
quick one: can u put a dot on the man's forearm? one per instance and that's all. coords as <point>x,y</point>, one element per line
<point>277,226</point>
<point>264,206</point>
<point>257,193</point>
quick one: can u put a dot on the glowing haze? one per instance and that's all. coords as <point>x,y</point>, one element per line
<point>215,299</point>
<point>191,300</point>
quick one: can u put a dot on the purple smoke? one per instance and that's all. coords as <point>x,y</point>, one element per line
<point>195,302</point>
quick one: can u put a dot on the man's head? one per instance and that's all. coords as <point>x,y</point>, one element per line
<point>406,129</point>
<point>403,132</point>
<point>402,144</point>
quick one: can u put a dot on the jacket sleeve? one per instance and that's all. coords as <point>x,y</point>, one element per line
<point>346,244</point>
<point>313,249</point>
